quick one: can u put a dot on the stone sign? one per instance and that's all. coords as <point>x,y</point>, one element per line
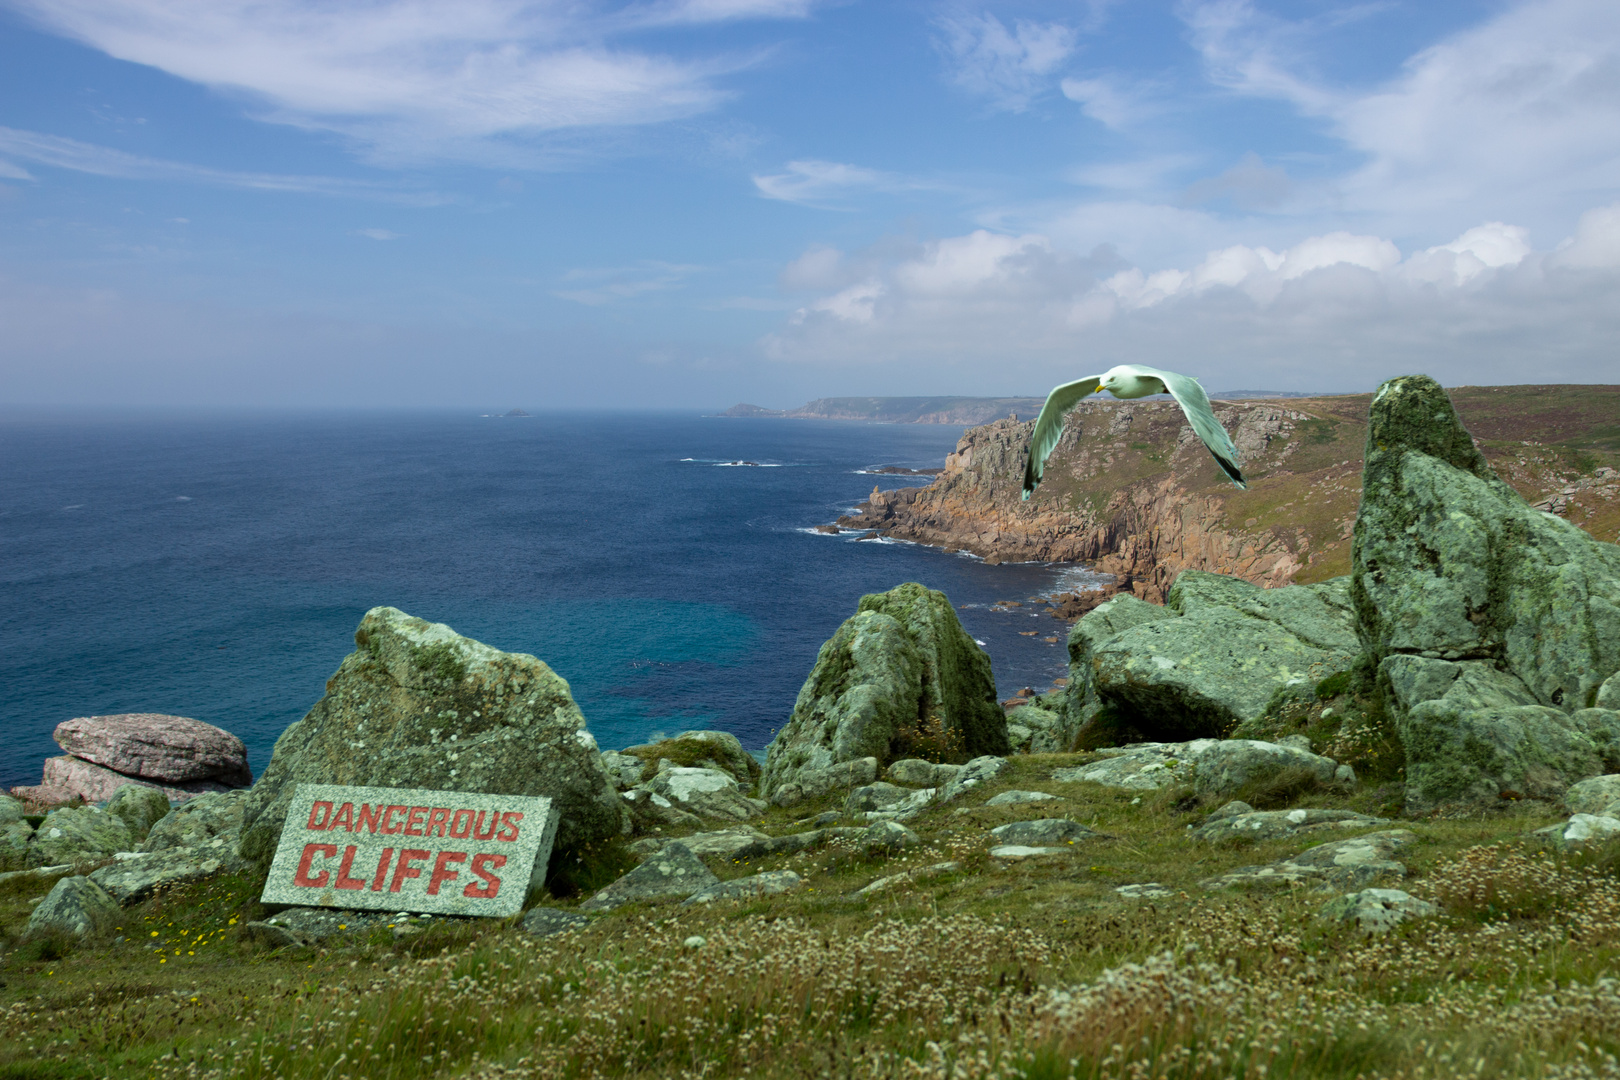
<point>409,849</point>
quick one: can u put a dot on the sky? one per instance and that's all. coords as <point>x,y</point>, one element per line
<point>694,203</point>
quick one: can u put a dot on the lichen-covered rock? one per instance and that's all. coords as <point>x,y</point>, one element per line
<point>1230,765</point>
<point>901,660</point>
<point>809,784</point>
<point>14,831</point>
<point>888,838</point>
<point>78,834</point>
<point>1343,864</point>
<point>1270,824</point>
<point>1520,608</point>
<point>139,808</point>
<point>674,873</point>
<point>728,755</point>
<point>981,770</point>
<point>418,705</point>
<point>1580,829</point>
<point>1608,695</point>
<point>708,793</point>
<point>1377,911</point>
<point>75,905</point>
<point>1222,655</point>
<point>1019,798</point>
<point>770,883</point>
<point>625,770</point>
<point>131,880</point>
<point>1138,767</point>
<point>1594,795</point>
<point>915,772</point>
<point>1041,832</point>
<point>1050,731</point>
<point>724,843</point>
<point>199,820</point>
<point>1101,624</point>
<point>543,922</point>
<point>153,746</point>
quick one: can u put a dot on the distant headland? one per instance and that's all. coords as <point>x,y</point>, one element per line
<point>967,411</point>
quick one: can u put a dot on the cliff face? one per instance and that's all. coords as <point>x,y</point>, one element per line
<point>1131,490</point>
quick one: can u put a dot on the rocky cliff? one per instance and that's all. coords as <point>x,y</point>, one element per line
<point>1130,489</point>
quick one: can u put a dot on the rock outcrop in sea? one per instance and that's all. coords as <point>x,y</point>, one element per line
<point>418,705</point>
<point>901,668</point>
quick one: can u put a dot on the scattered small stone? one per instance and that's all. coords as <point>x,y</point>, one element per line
<point>1377,910</point>
<point>888,837</point>
<point>547,921</point>
<point>1269,824</point>
<point>674,873</point>
<point>1352,863</point>
<point>981,770</point>
<point>1042,831</point>
<point>920,874</point>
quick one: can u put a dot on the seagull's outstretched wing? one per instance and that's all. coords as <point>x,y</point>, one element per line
<point>1195,404</point>
<point>1049,426</point>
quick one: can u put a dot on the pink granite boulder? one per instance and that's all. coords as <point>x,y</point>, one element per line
<point>151,746</point>
<point>67,778</point>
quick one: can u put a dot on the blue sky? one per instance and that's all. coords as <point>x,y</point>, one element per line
<point>697,202</point>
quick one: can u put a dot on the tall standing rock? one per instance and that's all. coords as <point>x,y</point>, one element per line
<point>901,660</point>
<point>418,705</point>
<point>1493,624</point>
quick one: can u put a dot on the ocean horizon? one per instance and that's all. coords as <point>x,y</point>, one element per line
<point>215,565</point>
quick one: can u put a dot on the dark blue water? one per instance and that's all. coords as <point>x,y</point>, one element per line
<point>216,567</point>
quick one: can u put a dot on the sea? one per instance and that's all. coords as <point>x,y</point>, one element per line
<point>667,565</point>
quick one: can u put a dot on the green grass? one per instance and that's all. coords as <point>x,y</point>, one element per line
<point>944,976</point>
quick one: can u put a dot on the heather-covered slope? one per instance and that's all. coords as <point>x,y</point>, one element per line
<point>1130,489</point>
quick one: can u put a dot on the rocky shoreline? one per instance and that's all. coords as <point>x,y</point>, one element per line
<point>1128,493</point>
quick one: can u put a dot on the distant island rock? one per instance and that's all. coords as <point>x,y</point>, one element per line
<point>517,412</point>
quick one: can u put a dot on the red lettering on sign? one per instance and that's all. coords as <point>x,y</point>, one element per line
<point>461,825</point>
<point>509,826</point>
<point>302,877</point>
<point>319,815</point>
<point>492,884</point>
<point>344,881</point>
<point>343,819</point>
<point>369,816</point>
<point>442,871</point>
<point>382,870</point>
<point>413,823</point>
<point>388,825</point>
<point>403,869</point>
<point>478,826</point>
<point>437,821</point>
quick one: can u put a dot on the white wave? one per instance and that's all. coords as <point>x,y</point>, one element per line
<point>182,498</point>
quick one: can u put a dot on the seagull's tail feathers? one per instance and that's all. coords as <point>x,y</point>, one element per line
<point>1233,473</point>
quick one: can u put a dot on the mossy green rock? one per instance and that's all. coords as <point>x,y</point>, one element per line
<point>901,659</point>
<point>418,705</point>
<point>1218,655</point>
<point>79,834</point>
<point>139,807</point>
<point>1492,624</point>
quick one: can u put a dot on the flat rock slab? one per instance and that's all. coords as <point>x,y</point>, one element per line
<point>724,843</point>
<point>791,843</point>
<point>132,880</point>
<point>1015,798</point>
<point>1150,890</point>
<point>546,921</point>
<point>1024,851</point>
<point>674,873</point>
<point>157,747</point>
<point>297,927</point>
<point>1269,824</point>
<point>767,884</point>
<point>1377,911</point>
<point>922,873</point>
<point>1041,832</point>
<point>410,849</point>
<point>1343,864</point>
<point>1140,767</point>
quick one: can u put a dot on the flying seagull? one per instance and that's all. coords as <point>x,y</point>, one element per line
<point>1131,381</point>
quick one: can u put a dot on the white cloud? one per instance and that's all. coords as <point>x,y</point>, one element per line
<point>1009,67</point>
<point>8,171</point>
<point>817,183</point>
<point>605,285</point>
<point>1251,184</point>
<point>1515,116</point>
<point>61,153</point>
<point>1333,311</point>
<point>413,79</point>
<point>378,234</point>
<point>1110,102</point>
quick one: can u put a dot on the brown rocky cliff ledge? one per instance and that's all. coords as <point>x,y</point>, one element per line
<point>1130,490</point>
